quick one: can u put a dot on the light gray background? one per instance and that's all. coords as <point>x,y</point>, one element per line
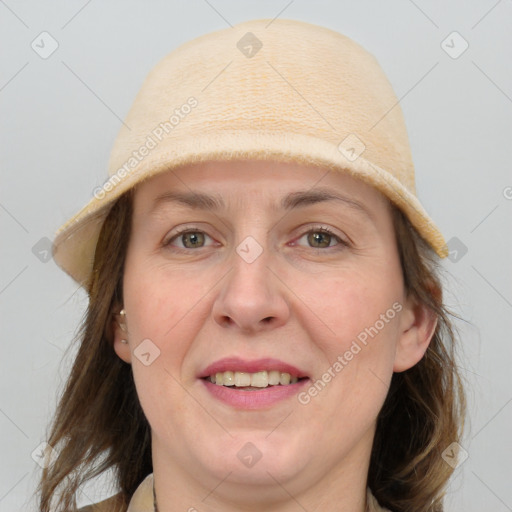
<point>59,118</point>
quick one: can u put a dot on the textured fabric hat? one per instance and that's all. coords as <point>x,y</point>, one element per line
<point>280,90</point>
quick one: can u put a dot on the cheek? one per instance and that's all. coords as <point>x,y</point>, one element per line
<point>356,342</point>
<point>160,298</point>
<point>166,311</point>
<point>355,354</point>
<point>357,303</point>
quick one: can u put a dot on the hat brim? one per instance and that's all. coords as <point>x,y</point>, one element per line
<point>75,241</point>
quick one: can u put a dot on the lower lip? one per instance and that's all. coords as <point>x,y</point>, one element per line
<point>243,399</point>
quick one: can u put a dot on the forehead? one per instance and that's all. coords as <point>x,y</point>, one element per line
<point>281,185</point>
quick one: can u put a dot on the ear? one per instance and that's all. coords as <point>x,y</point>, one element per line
<point>417,326</point>
<point>120,329</point>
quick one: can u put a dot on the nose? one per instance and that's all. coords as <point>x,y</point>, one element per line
<point>252,298</point>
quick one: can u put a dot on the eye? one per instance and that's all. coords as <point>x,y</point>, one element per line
<point>317,238</point>
<point>320,238</point>
<point>188,239</point>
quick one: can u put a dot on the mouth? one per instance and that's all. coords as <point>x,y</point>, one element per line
<point>253,381</point>
<point>252,384</point>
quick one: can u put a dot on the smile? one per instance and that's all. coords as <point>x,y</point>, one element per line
<point>252,384</point>
<point>257,380</point>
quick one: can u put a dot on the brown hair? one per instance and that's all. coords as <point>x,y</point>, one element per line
<point>99,423</point>
<point>424,411</point>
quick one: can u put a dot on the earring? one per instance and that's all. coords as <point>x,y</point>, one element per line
<point>122,325</point>
<point>122,313</point>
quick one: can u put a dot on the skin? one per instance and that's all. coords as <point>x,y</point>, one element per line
<point>301,301</point>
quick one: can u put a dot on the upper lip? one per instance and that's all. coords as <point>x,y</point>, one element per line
<point>236,364</point>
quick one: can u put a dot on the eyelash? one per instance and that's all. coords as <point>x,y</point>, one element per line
<point>318,229</point>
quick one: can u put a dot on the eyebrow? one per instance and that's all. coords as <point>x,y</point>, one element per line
<point>294,200</point>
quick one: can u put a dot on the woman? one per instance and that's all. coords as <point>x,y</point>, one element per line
<point>265,327</point>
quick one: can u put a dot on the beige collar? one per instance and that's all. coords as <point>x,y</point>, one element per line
<point>142,499</point>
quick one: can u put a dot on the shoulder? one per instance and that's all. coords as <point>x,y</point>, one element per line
<point>142,499</point>
<point>112,504</point>
<point>373,504</point>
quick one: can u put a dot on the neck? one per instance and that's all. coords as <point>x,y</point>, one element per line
<point>341,488</point>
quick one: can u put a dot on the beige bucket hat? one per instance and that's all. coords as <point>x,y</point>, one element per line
<point>281,90</point>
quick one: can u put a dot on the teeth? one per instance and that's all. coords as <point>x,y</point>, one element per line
<point>228,378</point>
<point>242,379</point>
<point>261,379</point>
<point>285,379</point>
<point>274,377</point>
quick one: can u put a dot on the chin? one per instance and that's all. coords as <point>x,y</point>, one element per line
<point>257,458</point>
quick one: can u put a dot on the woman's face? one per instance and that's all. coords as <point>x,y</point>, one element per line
<point>273,272</point>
